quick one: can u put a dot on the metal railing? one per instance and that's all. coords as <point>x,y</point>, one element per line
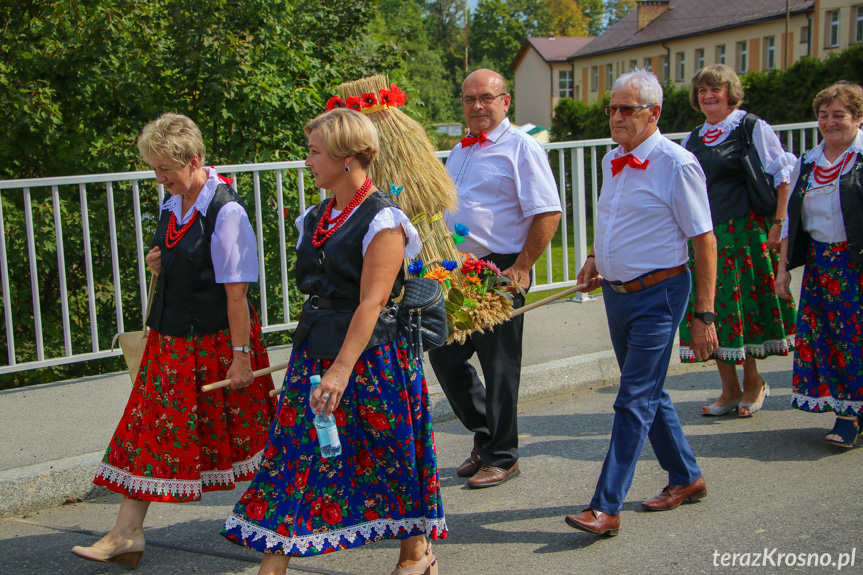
<point>47,231</point>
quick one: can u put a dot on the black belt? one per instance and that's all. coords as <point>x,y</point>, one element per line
<point>318,302</point>
<point>647,280</point>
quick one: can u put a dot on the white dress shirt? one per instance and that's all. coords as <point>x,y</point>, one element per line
<point>501,185</point>
<point>233,247</point>
<point>776,161</point>
<point>822,210</point>
<point>645,217</point>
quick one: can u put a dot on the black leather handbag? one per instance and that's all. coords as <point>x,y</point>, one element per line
<point>762,194</point>
<point>421,315</point>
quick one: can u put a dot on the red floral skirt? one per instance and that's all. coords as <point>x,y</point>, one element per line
<point>175,441</point>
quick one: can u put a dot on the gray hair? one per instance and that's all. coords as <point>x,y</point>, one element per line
<point>643,80</point>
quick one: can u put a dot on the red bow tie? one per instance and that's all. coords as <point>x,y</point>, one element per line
<point>469,141</point>
<point>617,164</point>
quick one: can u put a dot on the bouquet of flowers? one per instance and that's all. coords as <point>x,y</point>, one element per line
<point>474,303</point>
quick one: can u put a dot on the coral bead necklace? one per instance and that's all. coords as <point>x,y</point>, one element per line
<point>322,234</point>
<point>826,175</point>
<point>711,135</point>
<point>173,235</point>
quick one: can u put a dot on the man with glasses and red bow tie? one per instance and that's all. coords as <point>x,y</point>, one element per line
<point>654,199</point>
<point>508,199</point>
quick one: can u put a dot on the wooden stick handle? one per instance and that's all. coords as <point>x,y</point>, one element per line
<point>260,372</point>
<point>549,299</point>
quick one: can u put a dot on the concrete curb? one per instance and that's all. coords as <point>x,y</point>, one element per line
<point>34,487</point>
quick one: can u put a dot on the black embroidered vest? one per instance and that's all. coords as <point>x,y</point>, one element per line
<point>188,301</point>
<point>726,180</point>
<point>851,201</point>
<point>331,274</point>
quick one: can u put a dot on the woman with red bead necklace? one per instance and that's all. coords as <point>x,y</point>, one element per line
<point>824,232</point>
<point>384,484</point>
<point>174,441</point>
<point>751,321</point>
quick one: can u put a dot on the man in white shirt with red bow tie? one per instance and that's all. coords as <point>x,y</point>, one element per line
<point>508,199</point>
<point>654,199</point>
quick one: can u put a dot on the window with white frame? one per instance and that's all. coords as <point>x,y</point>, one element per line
<point>699,59</point>
<point>609,76</point>
<point>832,35</point>
<point>633,64</point>
<point>594,78</point>
<point>564,84</point>
<point>663,64</point>
<point>648,64</point>
<point>680,66</point>
<point>742,57</point>
<point>770,53</point>
<point>720,54</point>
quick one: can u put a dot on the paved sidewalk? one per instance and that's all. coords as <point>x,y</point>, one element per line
<point>53,436</point>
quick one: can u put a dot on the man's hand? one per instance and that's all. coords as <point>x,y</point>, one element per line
<point>519,277</point>
<point>702,339</point>
<point>588,276</point>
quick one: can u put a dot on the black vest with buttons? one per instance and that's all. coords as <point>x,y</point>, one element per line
<point>331,274</point>
<point>851,201</point>
<point>726,181</point>
<point>188,301</point>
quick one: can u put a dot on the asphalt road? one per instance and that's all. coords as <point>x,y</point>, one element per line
<point>773,484</point>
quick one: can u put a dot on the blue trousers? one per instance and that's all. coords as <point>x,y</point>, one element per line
<point>643,325</point>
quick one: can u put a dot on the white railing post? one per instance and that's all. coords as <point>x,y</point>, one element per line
<point>61,269</point>
<point>7,295</point>
<point>34,274</point>
<point>579,213</point>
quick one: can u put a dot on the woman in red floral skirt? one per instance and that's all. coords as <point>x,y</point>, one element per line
<point>174,441</point>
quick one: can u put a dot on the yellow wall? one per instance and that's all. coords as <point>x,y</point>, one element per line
<point>533,95</point>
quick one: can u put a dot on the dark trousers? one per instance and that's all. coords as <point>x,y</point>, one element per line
<point>642,325</point>
<point>490,412</point>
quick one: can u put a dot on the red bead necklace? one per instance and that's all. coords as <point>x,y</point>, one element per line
<point>173,235</point>
<point>827,175</point>
<point>711,135</point>
<point>322,234</point>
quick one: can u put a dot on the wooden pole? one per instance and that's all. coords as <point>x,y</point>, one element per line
<point>259,373</point>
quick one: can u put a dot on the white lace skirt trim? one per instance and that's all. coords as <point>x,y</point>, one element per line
<point>178,487</point>
<point>759,351</point>
<point>389,218</point>
<point>330,539</point>
<point>829,403</point>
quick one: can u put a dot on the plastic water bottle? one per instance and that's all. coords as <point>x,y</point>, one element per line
<point>328,432</point>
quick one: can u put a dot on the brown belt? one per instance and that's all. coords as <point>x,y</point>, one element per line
<point>648,280</point>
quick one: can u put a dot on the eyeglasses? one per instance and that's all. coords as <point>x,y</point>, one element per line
<point>469,101</point>
<point>627,111</point>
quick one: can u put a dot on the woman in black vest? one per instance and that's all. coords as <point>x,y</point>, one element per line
<point>825,233</point>
<point>384,483</point>
<point>174,441</point>
<point>751,322</point>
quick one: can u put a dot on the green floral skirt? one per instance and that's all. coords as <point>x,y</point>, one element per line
<point>750,319</point>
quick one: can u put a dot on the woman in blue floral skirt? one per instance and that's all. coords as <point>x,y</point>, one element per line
<point>384,485</point>
<point>824,232</point>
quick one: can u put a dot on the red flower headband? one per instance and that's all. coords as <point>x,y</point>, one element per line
<point>371,102</point>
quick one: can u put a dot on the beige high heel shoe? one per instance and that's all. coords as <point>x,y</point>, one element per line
<point>425,566</point>
<point>126,553</point>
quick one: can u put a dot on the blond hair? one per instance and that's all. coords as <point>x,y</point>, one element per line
<point>717,75</point>
<point>173,136</point>
<point>346,133</point>
<point>851,96</point>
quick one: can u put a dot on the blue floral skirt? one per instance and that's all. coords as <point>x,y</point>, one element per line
<point>828,366</point>
<point>385,483</point>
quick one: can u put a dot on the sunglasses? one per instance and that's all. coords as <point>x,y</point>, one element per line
<point>627,111</point>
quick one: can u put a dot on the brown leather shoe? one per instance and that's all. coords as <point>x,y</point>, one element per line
<point>595,522</point>
<point>471,465</point>
<point>674,495</point>
<point>489,476</point>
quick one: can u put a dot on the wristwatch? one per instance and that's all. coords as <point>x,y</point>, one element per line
<point>707,317</point>
<point>243,348</point>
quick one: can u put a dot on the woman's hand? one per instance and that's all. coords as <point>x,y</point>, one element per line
<point>774,239</point>
<point>154,260</point>
<point>783,283</point>
<point>240,372</point>
<point>333,385</point>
